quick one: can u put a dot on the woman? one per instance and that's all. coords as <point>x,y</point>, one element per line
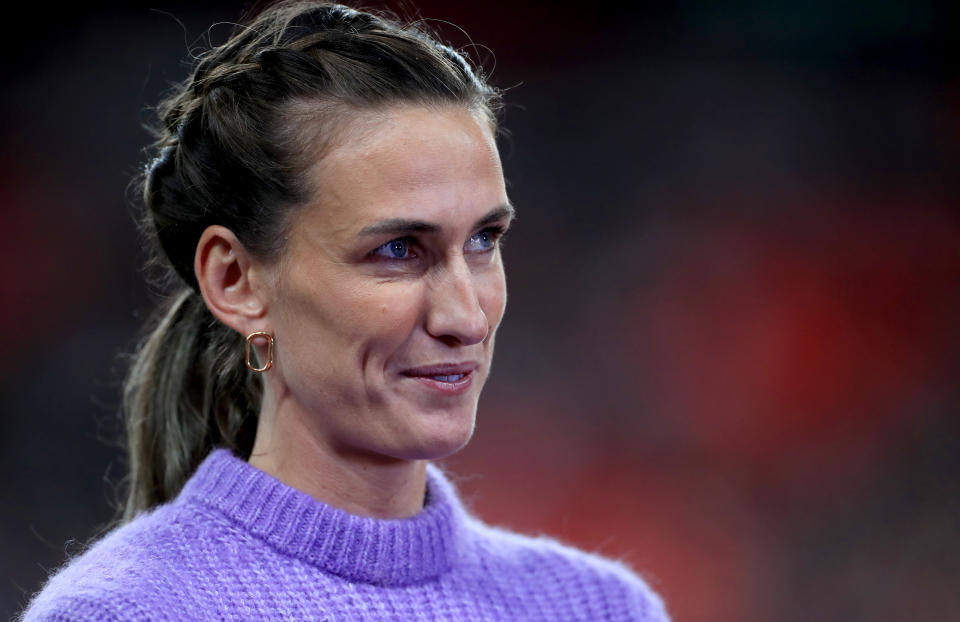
<point>328,193</point>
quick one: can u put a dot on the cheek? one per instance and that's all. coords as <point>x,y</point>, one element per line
<point>390,312</point>
<point>348,318</point>
<point>378,317</point>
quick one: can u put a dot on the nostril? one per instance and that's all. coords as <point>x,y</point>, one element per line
<point>463,331</point>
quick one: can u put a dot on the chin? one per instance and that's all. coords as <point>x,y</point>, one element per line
<point>440,437</point>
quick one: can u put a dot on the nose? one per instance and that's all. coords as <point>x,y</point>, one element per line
<point>455,314</point>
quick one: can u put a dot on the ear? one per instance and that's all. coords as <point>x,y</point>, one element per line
<point>230,281</point>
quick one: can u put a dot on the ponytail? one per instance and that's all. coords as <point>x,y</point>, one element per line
<point>188,391</point>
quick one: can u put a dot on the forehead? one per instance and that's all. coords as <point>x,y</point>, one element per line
<point>428,163</point>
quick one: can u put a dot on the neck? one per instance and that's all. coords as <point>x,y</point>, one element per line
<point>288,448</point>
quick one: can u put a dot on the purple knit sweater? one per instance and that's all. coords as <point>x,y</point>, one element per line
<point>238,544</point>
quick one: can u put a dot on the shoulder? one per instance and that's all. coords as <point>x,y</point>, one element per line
<point>608,584</point>
<point>123,576</point>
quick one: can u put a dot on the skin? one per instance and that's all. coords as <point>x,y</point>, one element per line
<point>395,265</point>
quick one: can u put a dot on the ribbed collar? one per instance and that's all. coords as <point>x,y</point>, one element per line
<point>380,551</point>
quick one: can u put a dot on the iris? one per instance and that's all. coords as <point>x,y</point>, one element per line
<point>394,249</point>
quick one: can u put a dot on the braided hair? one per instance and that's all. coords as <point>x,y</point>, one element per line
<point>232,145</point>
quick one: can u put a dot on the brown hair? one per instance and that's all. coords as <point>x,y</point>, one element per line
<point>232,144</point>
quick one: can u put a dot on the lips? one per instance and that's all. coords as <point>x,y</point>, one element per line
<point>442,370</point>
<point>449,378</point>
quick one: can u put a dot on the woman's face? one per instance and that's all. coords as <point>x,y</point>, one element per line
<point>388,295</point>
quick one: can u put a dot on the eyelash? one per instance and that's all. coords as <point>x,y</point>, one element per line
<point>497,232</point>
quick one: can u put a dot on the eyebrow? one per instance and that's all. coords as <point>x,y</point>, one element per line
<point>403,226</point>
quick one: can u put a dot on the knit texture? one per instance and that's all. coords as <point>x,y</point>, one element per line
<point>238,544</point>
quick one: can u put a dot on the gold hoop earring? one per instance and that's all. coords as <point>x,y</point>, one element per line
<point>269,362</point>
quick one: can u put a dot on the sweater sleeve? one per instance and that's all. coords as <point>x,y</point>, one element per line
<point>646,604</point>
<point>549,576</point>
<point>92,588</point>
<point>75,608</point>
<point>628,595</point>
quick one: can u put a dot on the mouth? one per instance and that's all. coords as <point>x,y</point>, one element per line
<point>446,378</point>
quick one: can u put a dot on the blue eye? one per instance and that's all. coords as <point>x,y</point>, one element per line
<point>394,249</point>
<point>483,240</point>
